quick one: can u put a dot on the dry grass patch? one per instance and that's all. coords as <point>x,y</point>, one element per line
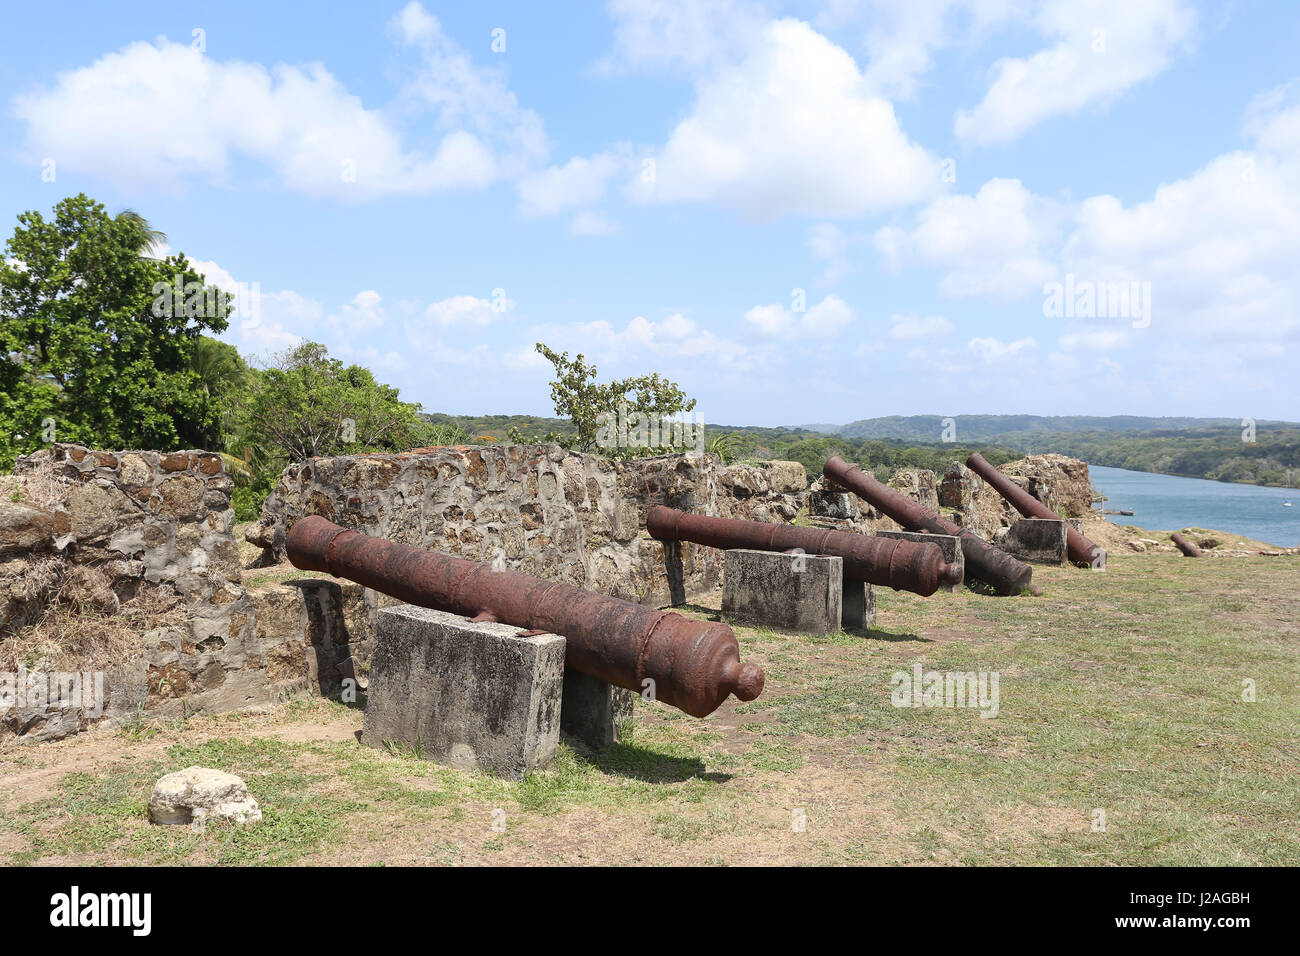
<point>40,486</point>
<point>75,621</point>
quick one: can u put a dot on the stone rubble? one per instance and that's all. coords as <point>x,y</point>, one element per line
<point>197,796</point>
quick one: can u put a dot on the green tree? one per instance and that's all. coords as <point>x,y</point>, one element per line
<point>579,397</point>
<point>223,375</point>
<point>97,340</point>
<point>306,403</point>
<point>147,237</point>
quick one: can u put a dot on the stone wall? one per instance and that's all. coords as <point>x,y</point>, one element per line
<point>161,523</point>
<point>962,496</point>
<point>559,515</point>
<point>137,521</point>
<point>141,524</point>
<point>136,516</point>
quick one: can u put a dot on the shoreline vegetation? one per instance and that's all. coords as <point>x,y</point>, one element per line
<point>1212,449</point>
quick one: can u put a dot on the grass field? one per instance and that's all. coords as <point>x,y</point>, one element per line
<point>1121,737</point>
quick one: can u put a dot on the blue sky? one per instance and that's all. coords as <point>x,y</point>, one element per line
<point>804,212</point>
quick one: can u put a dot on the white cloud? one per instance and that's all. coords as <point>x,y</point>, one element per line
<point>416,25</point>
<point>589,223</point>
<point>475,101</point>
<point>212,273</point>
<point>466,310</point>
<point>582,181</point>
<point>282,319</point>
<point>1216,249</point>
<point>364,314</point>
<point>791,129</point>
<point>903,35</point>
<point>997,244</point>
<point>824,320</point>
<point>373,359</point>
<point>829,243</point>
<point>1102,49</point>
<point>262,322</point>
<point>675,336</point>
<point>1095,340</point>
<point>676,34</point>
<point>1273,120</point>
<point>904,328</point>
<point>1219,247</point>
<point>277,321</point>
<point>112,119</point>
<point>991,350</point>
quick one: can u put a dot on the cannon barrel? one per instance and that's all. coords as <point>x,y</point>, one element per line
<point>901,565</point>
<point>1081,550</point>
<point>694,665</point>
<point>1182,544</point>
<point>1000,570</point>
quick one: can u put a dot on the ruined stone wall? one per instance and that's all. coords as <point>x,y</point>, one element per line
<point>578,518</point>
<point>555,514</point>
<point>162,523</point>
<point>126,523</point>
<point>963,497</point>
<point>136,516</point>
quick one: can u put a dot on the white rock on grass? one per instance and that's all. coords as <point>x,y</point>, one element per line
<point>198,796</point>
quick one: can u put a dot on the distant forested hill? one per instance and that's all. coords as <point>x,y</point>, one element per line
<point>1192,447</point>
<point>986,427</point>
<point>1215,453</point>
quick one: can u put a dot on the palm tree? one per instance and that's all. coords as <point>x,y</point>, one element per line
<point>222,374</point>
<point>219,366</point>
<point>149,237</point>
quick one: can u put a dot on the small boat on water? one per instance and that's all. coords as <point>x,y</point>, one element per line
<point>1286,502</point>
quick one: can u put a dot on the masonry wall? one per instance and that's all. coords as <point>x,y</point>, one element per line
<point>555,514</point>
<point>163,522</point>
<point>959,494</point>
<point>116,523</point>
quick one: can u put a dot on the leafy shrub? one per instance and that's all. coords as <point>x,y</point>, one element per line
<point>247,501</point>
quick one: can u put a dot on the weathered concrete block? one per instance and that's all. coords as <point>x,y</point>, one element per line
<point>475,696</point>
<point>593,711</point>
<point>949,543</point>
<point>1037,540</point>
<point>802,593</point>
<point>857,606</point>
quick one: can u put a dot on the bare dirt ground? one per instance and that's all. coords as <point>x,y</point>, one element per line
<point>1123,736</point>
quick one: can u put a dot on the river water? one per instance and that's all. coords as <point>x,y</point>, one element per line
<point>1167,503</point>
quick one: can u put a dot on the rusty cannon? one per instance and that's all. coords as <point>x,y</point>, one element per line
<point>901,565</point>
<point>694,665</point>
<point>999,570</point>
<point>1182,544</point>
<point>1081,550</point>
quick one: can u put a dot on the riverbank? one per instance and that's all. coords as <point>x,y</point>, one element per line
<point>1133,539</point>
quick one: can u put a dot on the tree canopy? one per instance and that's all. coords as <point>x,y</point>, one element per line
<point>97,340</point>
<point>306,403</point>
<point>578,396</point>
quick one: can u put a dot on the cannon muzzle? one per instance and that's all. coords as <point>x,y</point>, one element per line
<point>692,665</point>
<point>901,565</point>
